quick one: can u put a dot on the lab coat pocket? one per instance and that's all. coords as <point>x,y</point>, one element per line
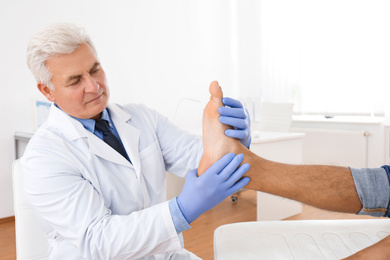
<point>153,174</point>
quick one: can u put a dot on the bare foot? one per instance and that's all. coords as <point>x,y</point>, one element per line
<point>215,143</point>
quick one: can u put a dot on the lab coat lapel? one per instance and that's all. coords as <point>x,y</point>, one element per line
<point>105,151</point>
<point>128,134</point>
<point>74,130</point>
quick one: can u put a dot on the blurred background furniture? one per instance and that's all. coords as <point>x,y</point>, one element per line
<point>275,117</point>
<point>31,243</point>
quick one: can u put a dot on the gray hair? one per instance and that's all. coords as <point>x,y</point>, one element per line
<point>56,39</point>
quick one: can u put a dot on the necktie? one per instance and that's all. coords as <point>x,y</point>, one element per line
<point>109,137</point>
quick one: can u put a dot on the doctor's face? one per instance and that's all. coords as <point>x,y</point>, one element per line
<point>80,84</point>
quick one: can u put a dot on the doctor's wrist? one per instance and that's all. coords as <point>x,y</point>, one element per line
<point>179,221</point>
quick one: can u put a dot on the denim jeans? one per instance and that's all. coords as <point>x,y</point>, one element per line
<point>373,188</point>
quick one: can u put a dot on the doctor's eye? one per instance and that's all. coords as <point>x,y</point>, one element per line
<point>95,69</point>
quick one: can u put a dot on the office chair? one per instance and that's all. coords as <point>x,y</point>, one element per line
<point>297,239</point>
<point>31,243</point>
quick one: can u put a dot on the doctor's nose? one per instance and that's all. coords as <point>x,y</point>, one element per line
<point>92,86</point>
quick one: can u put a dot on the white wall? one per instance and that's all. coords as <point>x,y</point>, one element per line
<point>154,52</point>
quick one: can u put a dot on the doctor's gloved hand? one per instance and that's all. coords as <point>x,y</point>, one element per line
<point>234,114</point>
<point>202,193</point>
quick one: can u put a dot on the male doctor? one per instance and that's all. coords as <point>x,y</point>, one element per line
<point>94,173</point>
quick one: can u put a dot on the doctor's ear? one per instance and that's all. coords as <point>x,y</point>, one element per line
<point>46,91</point>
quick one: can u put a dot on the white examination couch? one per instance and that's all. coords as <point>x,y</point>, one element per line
<point>298,239</point>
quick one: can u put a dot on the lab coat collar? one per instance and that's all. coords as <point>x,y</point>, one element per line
<point>65,124</point>
<point>73,130</point>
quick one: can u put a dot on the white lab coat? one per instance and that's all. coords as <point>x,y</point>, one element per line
<point>91,201</point>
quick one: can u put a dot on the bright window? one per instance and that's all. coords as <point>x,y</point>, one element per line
<point>327,57</point>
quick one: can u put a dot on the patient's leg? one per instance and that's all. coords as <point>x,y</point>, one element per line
<point>327,187</point>
<point>285,180</point>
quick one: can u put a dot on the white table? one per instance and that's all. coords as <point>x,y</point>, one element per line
<point>281,147</point>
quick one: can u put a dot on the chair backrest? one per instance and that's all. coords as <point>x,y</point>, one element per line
<point>31,242</point>
<point>275,117</point>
